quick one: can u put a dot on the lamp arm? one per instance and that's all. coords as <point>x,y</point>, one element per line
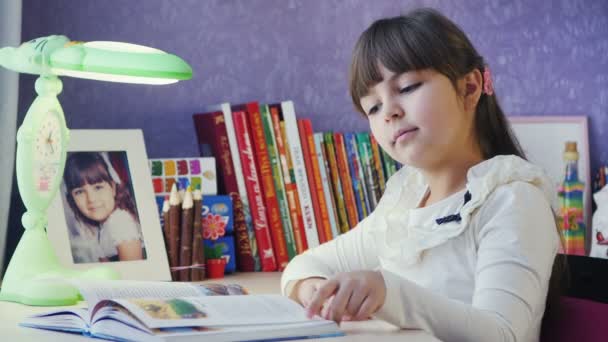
<point>32,57</point>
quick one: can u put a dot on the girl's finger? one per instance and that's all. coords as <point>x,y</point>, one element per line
<point>321,295</point>
<point>354,303</point>
<point>326,306</point>
<point>338,305</point>
<point>367,308</point>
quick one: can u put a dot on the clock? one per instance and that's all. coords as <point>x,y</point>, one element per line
<point>47,153</point>
<point>41,149</point>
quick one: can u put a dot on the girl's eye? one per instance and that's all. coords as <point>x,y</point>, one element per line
<point>410,88</point>
<point>76,192</point>
<point>99,186</point>
<point>372,110</point>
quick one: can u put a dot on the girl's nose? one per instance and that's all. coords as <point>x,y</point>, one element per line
<point>393,110</point>
<point>90,197</point>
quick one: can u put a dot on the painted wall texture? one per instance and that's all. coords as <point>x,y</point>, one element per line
<point>548,58</point>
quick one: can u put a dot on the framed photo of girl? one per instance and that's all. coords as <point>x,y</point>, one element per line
<point>105,210</point>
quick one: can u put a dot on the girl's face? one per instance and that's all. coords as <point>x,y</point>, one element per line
<point>95,201</point>
<point>417,118</point>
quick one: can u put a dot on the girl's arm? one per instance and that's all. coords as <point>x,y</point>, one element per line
<point>125,234</point>
<point>129,250</point>
<point>350,251</point>
<point>517,242</point>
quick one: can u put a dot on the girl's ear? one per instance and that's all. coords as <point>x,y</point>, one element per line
<point>472,89</point>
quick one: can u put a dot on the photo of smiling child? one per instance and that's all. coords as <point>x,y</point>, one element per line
<point>100,208</point>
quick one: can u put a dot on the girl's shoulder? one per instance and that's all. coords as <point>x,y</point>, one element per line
<point>509,193</point>
<point>120,218</point>
<point>509,174</point>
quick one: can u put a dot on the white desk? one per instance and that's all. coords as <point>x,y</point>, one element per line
<point>257,283</point>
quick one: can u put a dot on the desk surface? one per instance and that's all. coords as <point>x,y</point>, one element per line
<point>257,283</point>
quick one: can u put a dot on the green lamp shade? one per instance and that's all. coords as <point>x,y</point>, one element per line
<point>118,62</point>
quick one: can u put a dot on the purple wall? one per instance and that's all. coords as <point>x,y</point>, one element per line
<point>548,58</point>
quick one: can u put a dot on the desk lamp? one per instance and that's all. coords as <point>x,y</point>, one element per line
<point>34,275</point>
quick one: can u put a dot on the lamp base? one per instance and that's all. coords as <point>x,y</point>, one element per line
<point>35,277</point>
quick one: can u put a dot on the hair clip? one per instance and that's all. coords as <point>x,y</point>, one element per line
<point>488,86</point>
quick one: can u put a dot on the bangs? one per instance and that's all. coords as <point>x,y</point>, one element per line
<point>400,44</point>
<point>86,170</point>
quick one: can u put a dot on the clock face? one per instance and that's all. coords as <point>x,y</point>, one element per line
<point>48,139</point>
<point>48,150</point>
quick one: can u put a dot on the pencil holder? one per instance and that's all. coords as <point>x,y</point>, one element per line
<point>215,268</point>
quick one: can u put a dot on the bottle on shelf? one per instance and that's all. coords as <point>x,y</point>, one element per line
<point>571,218</point>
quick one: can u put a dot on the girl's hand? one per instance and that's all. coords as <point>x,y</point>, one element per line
<point>305,289</point>
<point>355,295</point>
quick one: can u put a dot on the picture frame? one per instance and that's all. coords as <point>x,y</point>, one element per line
<point>543,140</point>
<point>107,214</point>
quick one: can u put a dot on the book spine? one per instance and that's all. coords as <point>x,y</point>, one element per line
<point>389,164</point>
<point>291,191</point>
<point>351,146</point>
<point>268,189</point>
<point>324,222</point>
<point>371,182</point>
<point>347,183</point>
<point>378,164</point>
<point>211,132</point>
<point>240,180</point>
<point>306,153</point>
<point>326,184</point>
<point>358,163</point>
<point>277,176</point>
<point>293,139</point>
<point>254,192</point>
<point>338,194</point>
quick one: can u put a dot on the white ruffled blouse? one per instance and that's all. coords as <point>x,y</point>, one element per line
<point>474,266</point>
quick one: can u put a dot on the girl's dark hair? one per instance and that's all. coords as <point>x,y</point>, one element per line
<point>89,168</point>
<point>425,39</point>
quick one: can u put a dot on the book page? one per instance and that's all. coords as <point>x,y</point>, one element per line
<point>215,311</point>
<point>96,291</point>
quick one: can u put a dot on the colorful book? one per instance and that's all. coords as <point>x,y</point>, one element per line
<point>318,182</point>
<point>334,172</point>
<point>311,171</point>
<point>213,140</point>
<point>262,161</point>
<point>378,164</point>
<point>369,177</point>
<point>277,175</point>
<point>326,183</point>
<point>218,226</point>
<point>350,144</point>
<point>289,179</point>
<point>295,148</point>
<point>254,191</point>
<point>345,178</point>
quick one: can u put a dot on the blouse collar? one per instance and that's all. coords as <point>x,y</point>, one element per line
<point>407,186</point>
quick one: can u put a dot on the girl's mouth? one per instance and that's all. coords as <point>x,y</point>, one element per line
<point>403,135</point>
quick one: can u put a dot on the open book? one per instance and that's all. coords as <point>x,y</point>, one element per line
<point>156,311</point>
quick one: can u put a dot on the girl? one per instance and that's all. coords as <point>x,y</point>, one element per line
<point>108,227</point>
<point>463,240</point>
